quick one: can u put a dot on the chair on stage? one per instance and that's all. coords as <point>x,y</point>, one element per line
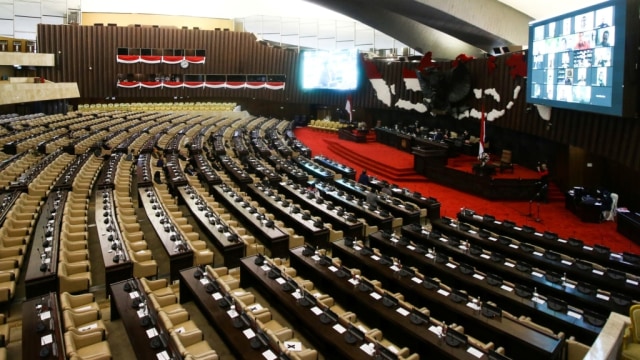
<point>631,339</point>
<point>505,161</point>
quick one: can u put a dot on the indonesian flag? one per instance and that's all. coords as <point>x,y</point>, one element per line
<point>481,142</point>
<point>347,107</point>
<point>410,80</point>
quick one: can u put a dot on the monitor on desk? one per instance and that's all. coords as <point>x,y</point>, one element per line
<point>389,300</point>
<point>418,317</point>
<point>430,283</point>
<point>384,353</point>
<point>556,304</point>
<point>491,311</point>
<point>458,296</point>
<point>455,338</point>
<point>353,335</point>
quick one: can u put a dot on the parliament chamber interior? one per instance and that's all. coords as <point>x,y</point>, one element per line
<point>163,197</point>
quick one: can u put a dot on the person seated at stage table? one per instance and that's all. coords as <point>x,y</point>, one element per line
<point>439,135</point>
<point>364,178</point>
<point>466,137</point>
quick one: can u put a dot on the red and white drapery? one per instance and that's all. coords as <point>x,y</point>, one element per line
<point>271,85</point>
<point>157,59</point>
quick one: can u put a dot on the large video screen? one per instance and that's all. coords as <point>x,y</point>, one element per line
<point>576,60</point>
<point>333,70</point>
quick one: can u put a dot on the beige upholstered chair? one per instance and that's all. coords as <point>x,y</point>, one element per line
<point>631,340</point>
<point>193,343</point>
<point>78,303</point>
<point>89,346</point>
<point>83,322</point>
<point>73,278</point>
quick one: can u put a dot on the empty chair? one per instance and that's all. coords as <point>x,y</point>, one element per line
<point>73,278</point>
<point>178,321</point>
<point>78,303</point>
<point>631,339</point>
<point>83,322</point>
<point>192,343</point>
<point>143,264</point>
<point>92,345</point>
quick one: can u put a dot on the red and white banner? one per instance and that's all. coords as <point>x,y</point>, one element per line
<point>348,108</point>
<point>157,59</point>
<point>197,84</point>
<point>379,84</point>
<point>410,80</point>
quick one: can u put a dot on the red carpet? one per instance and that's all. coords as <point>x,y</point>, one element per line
<point>396,167</point>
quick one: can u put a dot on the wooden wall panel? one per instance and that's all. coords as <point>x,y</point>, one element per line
<point>87,55</point>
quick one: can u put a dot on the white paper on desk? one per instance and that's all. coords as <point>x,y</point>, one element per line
<point>537,253</point>
<point>569,285</point>
<point>296,294</point>
<point>538,300</point>
<point>47,249</point>
<point>589,248</point>
<point>424,232</point>
<point>216,296</point>
<point>45,315</point>
<point>411,247</point>
<point>47,339</point>
<point>485,256</point>
<point>267,267</point>
<point>269,355</point>
<point>443,292</point>
<point>632,282</point>
<point>513,246</point>
<point>369,348</point>
<point>478,276</point>
<point>255,307</point>
<point>354,281</point>
<point>316,310</point>
<point>517,228</point>
<point>141,313</point>
<point>453,266</point>
<point>248,333</point>
<point>473,231</point>
<point>598,272</point>
<point>402,311</point>
<point>574,314</point>
<point>315,258</point>
<point>47,261</point>
<point>163,355</point>
<point>232,313</point>
<point>492,238</point>
<point>537,233</point>
<point>566,262</point>
<point>562,241</point>
<point>375,295</point>
<point>395,240</point>
<point>339,328</point>
<point>473,305</point>
<point>443,239</point>
<point>394,268</point>
<point>152,332</point>
<point>204,281</point>
<point>357,248</point>
<point>293,345</point>
<point>333,268</point>
<point>416,280</point>
<point>429,255</point>
<point>509,264</point>
<point>475,352</point>
<point>280,280</point>
<point>498,222</point>
<point>602,296</point>
<point>436,329</point>
<point>375,257</point>
<point>506,288</point>
<point>535,273</point>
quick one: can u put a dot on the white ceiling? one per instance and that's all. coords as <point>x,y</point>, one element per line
<point>542,9</point>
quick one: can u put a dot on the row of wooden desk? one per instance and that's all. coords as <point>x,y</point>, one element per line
<point>328,330</point>
<point>272,237</point>
<point>609,279</point>
<point>571,247</point>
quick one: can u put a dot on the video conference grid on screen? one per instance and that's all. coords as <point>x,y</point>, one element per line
<point>572,59</point>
